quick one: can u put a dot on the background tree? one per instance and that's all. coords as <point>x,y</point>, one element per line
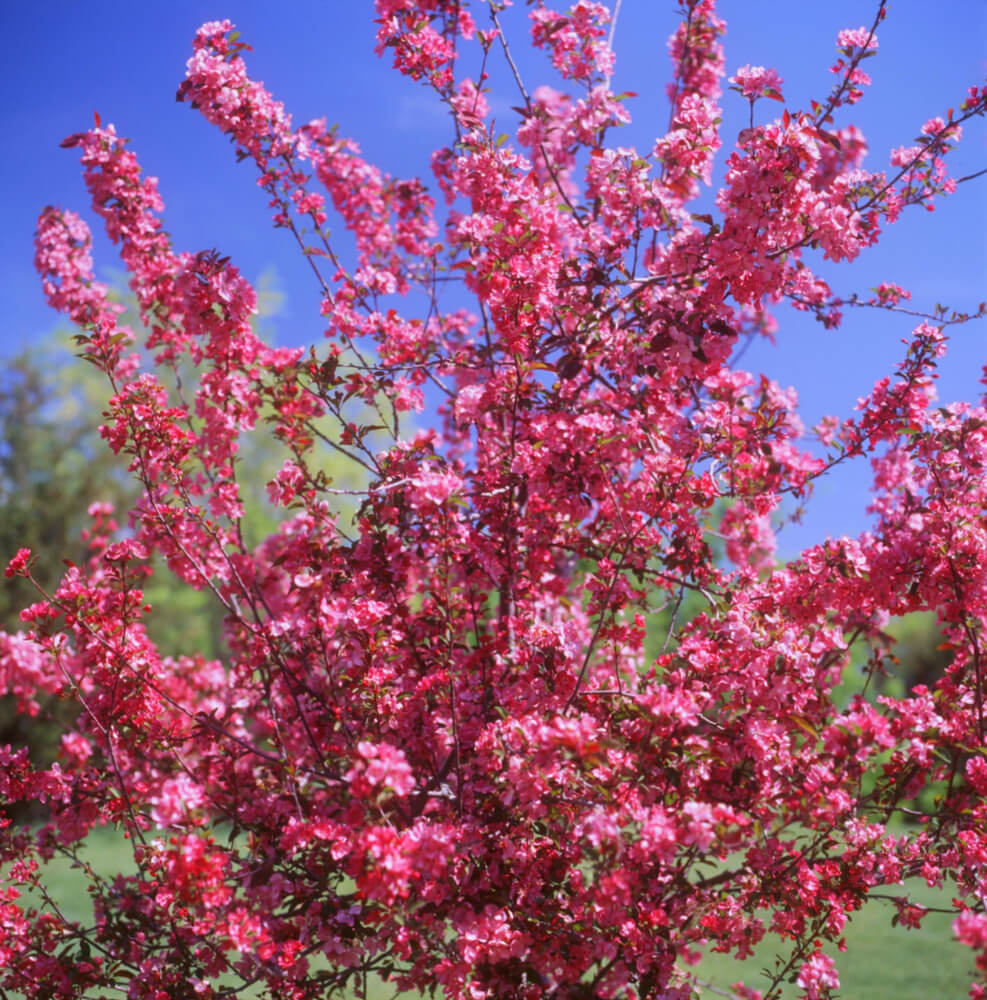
<point>52,465</point>
<point>52,468</point>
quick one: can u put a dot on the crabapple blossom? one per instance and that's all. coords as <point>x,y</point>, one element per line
<point>756,81</point>
<point>818,976</point>
<point>547,716</point>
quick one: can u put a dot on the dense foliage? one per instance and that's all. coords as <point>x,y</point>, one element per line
<point>437,750</point>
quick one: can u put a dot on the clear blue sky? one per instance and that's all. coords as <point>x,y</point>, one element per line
<point>65,59</point>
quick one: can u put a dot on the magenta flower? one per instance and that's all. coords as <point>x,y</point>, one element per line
<point>757,81</point>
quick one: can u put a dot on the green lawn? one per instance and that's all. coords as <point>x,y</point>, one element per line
<point>108,853</point>
<point>882,962</point>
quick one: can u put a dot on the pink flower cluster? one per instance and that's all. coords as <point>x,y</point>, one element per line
<point>576,39</point>
<point>756,81</point>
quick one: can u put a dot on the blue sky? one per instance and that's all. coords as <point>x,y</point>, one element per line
<point>66,59</point>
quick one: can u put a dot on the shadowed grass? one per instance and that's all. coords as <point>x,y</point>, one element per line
<point>881,962</point>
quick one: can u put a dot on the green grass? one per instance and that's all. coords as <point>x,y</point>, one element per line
<point>108,853</point>
<point>881,962</point>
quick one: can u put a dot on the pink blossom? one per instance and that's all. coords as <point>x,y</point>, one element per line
<point>176,799</point>
<point>382,765</point>
<point>971,929</point>
<point>18,565</point>
<point>576,39</point>
<point>976,773</point>
<point>857,38</point>
<point>756,81</point>
<point>470,104</point>
<point>818,976</point>
<point>434,487</point>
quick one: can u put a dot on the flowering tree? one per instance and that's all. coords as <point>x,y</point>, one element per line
<point>436,750</point>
